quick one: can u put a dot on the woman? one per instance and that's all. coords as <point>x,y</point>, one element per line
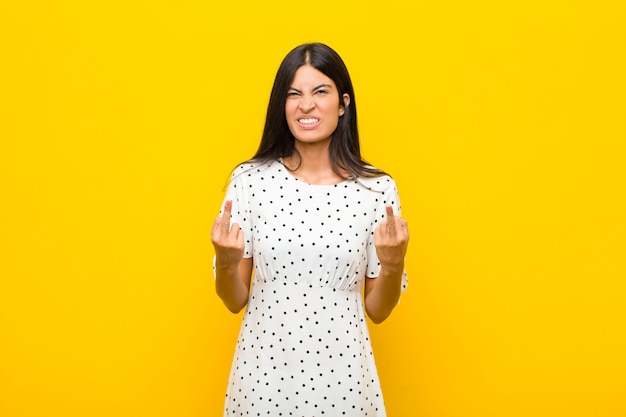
<point>319,228</point>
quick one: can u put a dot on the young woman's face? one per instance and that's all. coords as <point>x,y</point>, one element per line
<point>313,108</point>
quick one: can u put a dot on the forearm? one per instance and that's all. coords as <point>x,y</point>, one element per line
<point>384,293</point>
<point>230,287</point>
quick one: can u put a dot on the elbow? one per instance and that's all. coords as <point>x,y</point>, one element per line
<point>235,309</point>
<point>379,309</point>
<point>377,320</point>
<point>232,304</point>
<point>378,317</point>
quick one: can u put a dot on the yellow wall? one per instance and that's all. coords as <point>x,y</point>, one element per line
<point>502,121</point>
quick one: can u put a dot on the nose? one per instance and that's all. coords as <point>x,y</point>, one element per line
<point>307,104</point>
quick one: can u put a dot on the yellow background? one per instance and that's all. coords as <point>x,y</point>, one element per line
<point>503,123</point>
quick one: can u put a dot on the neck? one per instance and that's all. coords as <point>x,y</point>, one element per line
<point>313,165</point>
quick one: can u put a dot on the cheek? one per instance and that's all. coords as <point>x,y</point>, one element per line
<point>288,107</point>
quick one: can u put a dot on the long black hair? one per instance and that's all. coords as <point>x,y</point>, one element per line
<point>278,141</point>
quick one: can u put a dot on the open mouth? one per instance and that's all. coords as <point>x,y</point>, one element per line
<point>308,122</point>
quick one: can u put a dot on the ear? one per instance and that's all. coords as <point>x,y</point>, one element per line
<point>346,103</point>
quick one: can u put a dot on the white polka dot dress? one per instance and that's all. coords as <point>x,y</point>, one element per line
<point>304,346</point>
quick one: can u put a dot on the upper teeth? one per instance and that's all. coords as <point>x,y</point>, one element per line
<point>308,121</point>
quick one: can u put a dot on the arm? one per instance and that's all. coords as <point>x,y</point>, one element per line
<point>233,285</point>
<point>232,272</point>
<point>383,292</point>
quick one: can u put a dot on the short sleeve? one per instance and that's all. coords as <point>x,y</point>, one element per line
<point>390,196</point>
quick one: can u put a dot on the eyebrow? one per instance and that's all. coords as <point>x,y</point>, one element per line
<point>314,89</point>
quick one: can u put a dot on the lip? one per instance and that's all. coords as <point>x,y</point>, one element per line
<point>308,125</point>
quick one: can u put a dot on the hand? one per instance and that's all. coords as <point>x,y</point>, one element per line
<point>391,239</point>
<point>228,241</point>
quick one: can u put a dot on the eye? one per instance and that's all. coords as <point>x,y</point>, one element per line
<point>292,94</point>
<point>322,92</point>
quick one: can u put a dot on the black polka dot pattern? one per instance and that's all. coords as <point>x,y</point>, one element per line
<point>304,347</point>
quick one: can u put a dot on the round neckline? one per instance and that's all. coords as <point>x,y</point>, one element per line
<point>289,174</point>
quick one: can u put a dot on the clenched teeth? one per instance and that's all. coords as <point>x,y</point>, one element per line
<point>308,121</point>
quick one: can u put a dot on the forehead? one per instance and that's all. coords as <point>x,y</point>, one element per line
<point>308,76</point>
